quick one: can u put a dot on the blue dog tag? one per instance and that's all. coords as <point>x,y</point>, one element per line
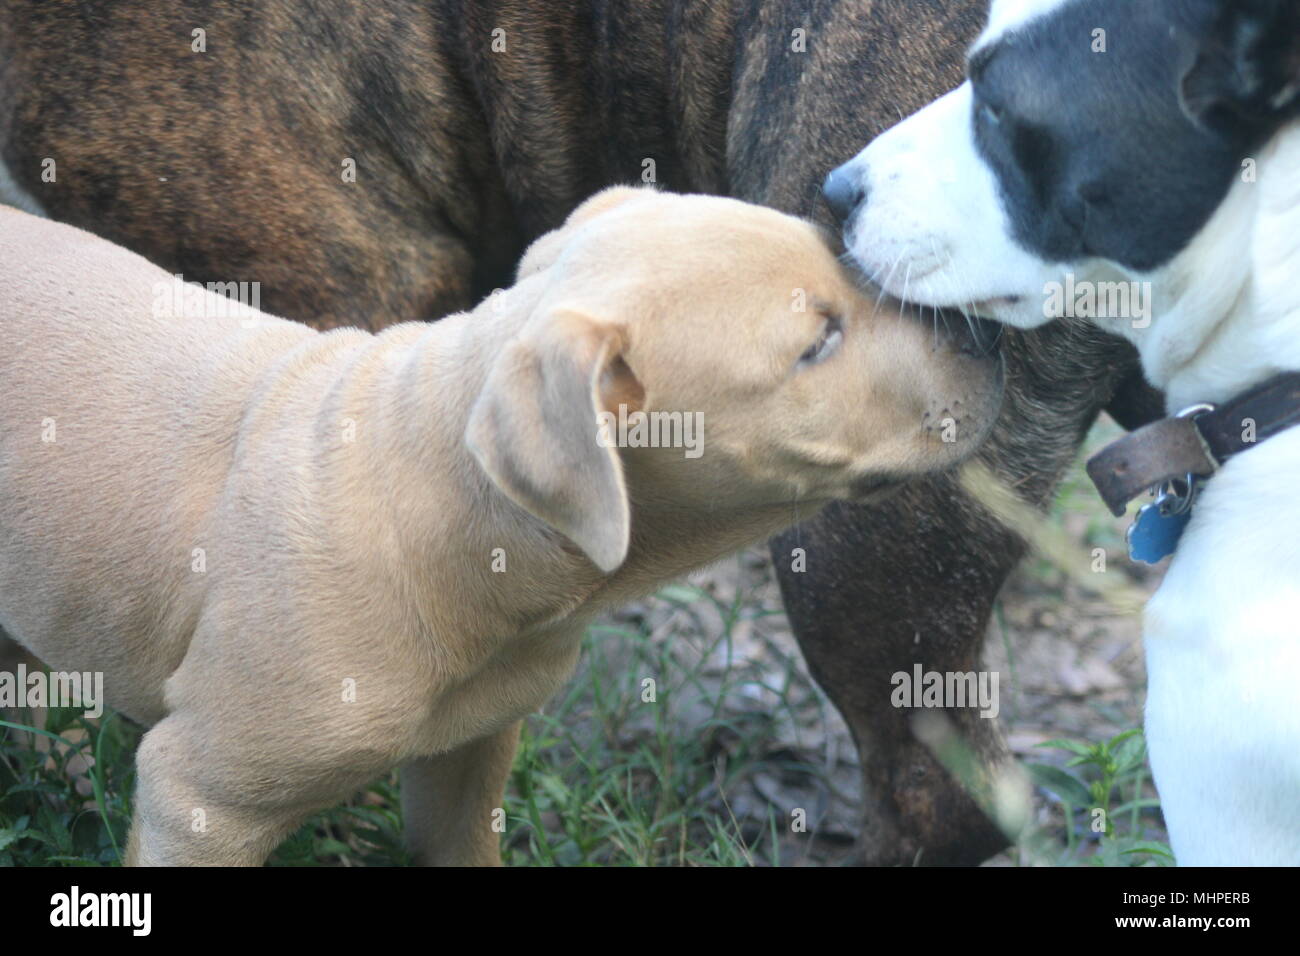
<point>1155,533</point>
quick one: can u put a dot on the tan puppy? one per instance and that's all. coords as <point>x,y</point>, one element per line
<point>306,558</point>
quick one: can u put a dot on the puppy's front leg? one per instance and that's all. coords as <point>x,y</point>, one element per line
<point>202,805</point>
<point>448,801</point>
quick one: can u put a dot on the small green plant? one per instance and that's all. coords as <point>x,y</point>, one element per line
<point>1105,771</point>
<point>65,789</point>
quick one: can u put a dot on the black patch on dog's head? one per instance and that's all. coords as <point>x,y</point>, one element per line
<point>1125,153</point>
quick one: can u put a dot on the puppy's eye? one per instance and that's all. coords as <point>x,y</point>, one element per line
<point>826,344</point>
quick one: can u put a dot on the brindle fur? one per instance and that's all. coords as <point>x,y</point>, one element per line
<point>226,165</point>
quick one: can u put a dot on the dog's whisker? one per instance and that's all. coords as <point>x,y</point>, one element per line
<point>880,298</point>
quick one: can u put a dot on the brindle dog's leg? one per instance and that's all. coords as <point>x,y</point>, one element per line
<point>914,582</point>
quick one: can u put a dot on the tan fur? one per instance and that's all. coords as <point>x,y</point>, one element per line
<point>348,492</point>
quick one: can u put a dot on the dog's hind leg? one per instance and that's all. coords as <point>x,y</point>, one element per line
<point>452,802</point>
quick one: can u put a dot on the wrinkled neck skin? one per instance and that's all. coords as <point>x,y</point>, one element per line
<point>1226,311</point>
<point>671,538</point>
<point>440,553</point>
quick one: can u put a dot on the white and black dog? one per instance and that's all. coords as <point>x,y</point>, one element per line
<point>1150,148</point>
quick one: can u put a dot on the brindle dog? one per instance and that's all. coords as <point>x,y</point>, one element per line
<point>476,125</point>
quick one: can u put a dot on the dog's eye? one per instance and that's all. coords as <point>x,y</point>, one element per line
<point>826,344</point>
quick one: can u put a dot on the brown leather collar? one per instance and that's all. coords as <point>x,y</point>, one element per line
<point>1194,442</point>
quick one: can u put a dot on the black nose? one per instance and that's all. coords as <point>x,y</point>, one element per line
<point>844,192</point>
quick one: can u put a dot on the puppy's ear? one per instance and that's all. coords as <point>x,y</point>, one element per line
<point>1248,72</point>
<point>534,429</point>
<point>543,253</point>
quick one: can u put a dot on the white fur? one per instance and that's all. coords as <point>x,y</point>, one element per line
<point>1223,633</point>
<point>933,229</point>
<point>1222,638</point>
<point>1228,309</point>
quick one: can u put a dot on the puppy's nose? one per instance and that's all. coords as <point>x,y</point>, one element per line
<point>844,192</point>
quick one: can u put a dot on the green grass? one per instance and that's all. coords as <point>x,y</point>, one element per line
<point>603,777</point>
<point>44,819</point>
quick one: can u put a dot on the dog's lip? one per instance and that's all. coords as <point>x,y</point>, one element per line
<point>975,336</point>
<point>974,308</point>
<point>998,301</point>
<point>968,306</point>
